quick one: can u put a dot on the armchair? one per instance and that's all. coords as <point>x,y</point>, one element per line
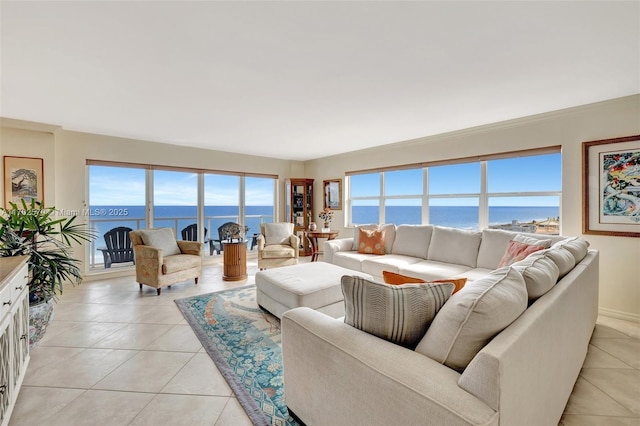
<point>277,245</point>
<point>162,261</point>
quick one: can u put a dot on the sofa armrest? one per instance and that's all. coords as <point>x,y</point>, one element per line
<point>261,242</point>
<point>333,246</point>
<point>190,247</point>
<point>366,380</point>
<point>148,263</point>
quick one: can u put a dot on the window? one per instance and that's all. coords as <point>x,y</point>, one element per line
<point>120,193</point>
<point>521,191</point>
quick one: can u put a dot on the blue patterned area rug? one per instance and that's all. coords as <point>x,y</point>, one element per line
<point>244,342</point>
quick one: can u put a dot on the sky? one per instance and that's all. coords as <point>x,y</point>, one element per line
<point>533,173</point>
<point>119,186</point>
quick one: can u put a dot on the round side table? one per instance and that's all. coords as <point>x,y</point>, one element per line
<point>234,260</point>
<point>313,239</point>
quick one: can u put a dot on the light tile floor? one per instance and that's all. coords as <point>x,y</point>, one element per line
<point>114,355</point>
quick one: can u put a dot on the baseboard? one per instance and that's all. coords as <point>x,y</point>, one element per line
<point>619,315</point>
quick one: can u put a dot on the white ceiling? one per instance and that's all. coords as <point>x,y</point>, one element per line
<point>302,80</point>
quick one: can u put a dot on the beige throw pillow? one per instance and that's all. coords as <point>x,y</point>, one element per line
<point>473,316</point>
<point>277,233</point>
<point>161,238</point>
<point>399,314</point>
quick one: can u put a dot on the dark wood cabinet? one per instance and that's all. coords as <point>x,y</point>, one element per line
<point>299,209</point>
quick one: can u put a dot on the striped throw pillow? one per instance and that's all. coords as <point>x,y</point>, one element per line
<point>399,314</point>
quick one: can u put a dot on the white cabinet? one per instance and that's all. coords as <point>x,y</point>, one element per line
<point>14,331</point>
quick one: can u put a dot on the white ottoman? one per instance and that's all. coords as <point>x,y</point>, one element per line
<point>315,285</point>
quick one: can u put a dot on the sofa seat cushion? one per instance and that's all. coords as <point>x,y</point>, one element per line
<point>475,274</point>
<point>473,316</point>
<point>412,240</point>
<point>389,262</point>
<point>277,251</point>
<point>350,259</point>
<point>430,270</point>
<point>451,245</point>
<point>399,314</point>
<point>180,262</point>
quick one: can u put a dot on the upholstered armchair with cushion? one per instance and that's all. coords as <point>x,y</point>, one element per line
<point>277,245</point>
<point>162,261</point>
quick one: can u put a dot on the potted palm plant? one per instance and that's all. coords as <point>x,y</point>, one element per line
<point>31,229</point>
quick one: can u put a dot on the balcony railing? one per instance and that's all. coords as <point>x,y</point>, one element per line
<point>101,226</point>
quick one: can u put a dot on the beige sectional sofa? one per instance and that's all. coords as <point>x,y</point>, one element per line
<point>336,374</point>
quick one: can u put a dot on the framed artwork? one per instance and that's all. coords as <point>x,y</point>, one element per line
<point>611,186</point>
<point>23,179</point>
<point>333,194</point>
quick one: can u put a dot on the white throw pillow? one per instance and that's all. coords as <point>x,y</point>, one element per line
<point>398,313</point>
<point>473,316</point>
<point>451,245</point>
<point>277,233</point>
<point>412,240</point>
<point>532,241</point>
<point>540,274</point>
<point>161,238</point>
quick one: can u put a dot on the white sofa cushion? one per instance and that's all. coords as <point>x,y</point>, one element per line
<point>458,246</point>
<point>495,241</point>
<point>562,257</point>
<point>161,238</point>
<point>398,313</point>
<point>532,241</point>
<point>540,274</point>
<point>473,316</point>
<point>430,270</point>
<point>391,262</point>
<point>412,240</point>
<point>350,259</point>
<point>576,246</point>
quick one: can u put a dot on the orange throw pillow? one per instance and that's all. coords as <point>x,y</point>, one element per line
<point>516,251</point>
<point>397,279</point>
<point>371,241</point>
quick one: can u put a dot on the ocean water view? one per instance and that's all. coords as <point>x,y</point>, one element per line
<point>103,218</point>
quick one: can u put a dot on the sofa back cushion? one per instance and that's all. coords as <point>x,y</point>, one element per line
<point>161,238</point>
<point>576,246</point>
<point>412,240</point>
<point>562,257</point>
<point>473,316</point>
<point>451,245</point>
<point>399,314</point>
<point>540,274</point>
<point>495,241</point>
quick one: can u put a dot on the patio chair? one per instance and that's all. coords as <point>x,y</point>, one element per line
<point>118,248</point>
<point>229,231</point>
<point>190,233</point>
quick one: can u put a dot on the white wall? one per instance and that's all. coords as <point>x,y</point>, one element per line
<point>65,154</point>
<point>619,256</point>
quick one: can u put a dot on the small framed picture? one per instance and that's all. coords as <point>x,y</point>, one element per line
<point>611,186</point>
<point>23,179</point>
<point>333,194</point>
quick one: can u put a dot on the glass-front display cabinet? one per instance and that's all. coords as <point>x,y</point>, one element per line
<point>299,209</point>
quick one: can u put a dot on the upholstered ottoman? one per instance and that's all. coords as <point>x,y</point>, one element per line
<point>315,285</point>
